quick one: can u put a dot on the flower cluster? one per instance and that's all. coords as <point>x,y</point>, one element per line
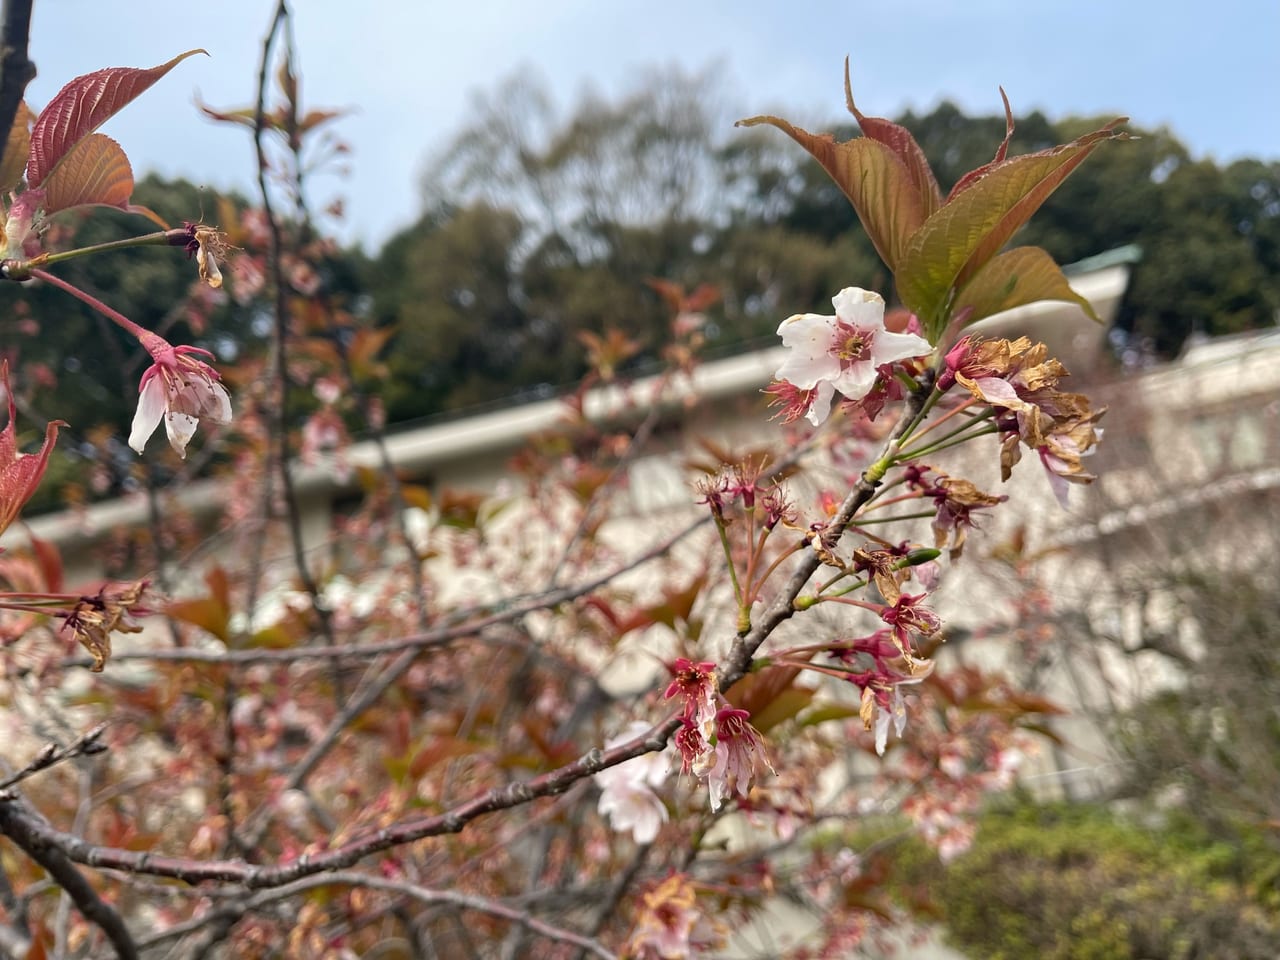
<point>1020,383</point>
<point>112,609</point>
<point>669,925</point>
<point>956,500</point>
<point>886,670</point>
<point>740,486</point>
<point>715,740</point>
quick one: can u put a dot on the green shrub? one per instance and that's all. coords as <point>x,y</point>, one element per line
<point>1082,883</point>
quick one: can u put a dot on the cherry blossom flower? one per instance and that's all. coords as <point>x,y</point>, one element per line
<point>626,790</point>
<point>883,705</point>
<point>112,609</point>
<point>180,389</point>
<point>842,353</point>
<point>695,684</point>
<point>739,747</point>
<point>669,925</point>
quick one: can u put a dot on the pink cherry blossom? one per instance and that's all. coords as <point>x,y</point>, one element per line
<point>180,389</point>
<point>842,353</point>
<point>739,747</point>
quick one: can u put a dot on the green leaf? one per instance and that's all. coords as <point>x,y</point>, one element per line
<point>967,232</point>
<point>828,711</point>
<point>878,184</point>
<point>1016,277</point>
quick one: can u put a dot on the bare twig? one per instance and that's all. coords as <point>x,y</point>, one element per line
<point>85,745</point>
<point>276,270</point>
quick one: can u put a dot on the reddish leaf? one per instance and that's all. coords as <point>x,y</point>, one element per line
<point>958,240</point>
<point>16,147</point>
<point>244,118</point>
<point>96,171</point>
<point>435,751</point>
<point>1001,152</point>
<point>784,706</point>
<point>899,139</point>
<point>365,347</point>
<point>49,559</point>
<point>82,106</point>
<point>211,613</point>
<point>878,184</point>
<point>1018,276</point>
<point>757,690</point>
<point>676,606</point>
<point>20,473</point>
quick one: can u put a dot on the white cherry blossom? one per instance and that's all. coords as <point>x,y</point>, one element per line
<point>842,353</point>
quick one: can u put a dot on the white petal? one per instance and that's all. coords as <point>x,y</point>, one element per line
<point>856,381</point>
<point>181,428</point>
<point>821,405</point>
<point>151,404</point>
<point>217,404</point>
<point>899,712</point>
<point>889,347</point>
<point>862,308</point>
<point>808,334</point>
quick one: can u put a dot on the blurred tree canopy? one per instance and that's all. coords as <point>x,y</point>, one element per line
<point>538,226</point>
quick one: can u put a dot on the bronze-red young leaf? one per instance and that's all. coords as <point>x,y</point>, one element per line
<point>83,105</point>
<point>958,240</point>
<point>1001,151</point>
<point>874,179</point>
<point>94,171</point>
<point>898,139</point>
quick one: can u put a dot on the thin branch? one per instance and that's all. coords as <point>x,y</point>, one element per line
<point>41,843</point>
<point>261,876</point>
<point>281,373</point>
<point>85,745</point>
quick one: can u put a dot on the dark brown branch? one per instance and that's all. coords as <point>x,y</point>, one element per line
<point>258,876</point>
<point>16,71</point>
<point>42,844</point>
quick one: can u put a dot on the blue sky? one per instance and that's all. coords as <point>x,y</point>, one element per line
<point>1209,71</point>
